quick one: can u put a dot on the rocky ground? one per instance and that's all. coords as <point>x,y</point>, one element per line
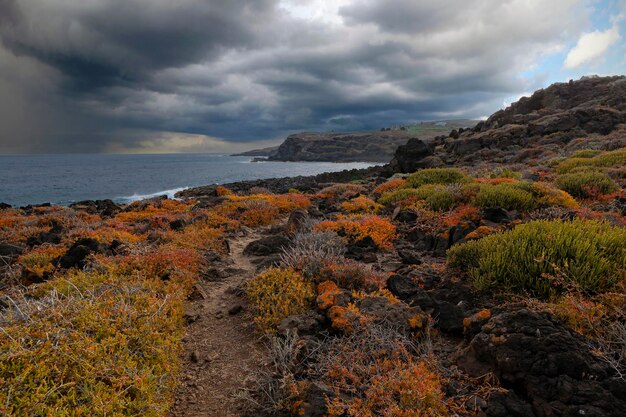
<point>481,274</point>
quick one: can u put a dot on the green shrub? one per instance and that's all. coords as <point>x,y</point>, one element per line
<point>439,197</point>
<point>545,258</point>
<point>505,173</point>
<point>508,196</point>
<point>435,176</point>
<point>586,183</point>
<point>603,160</point>
<point>396,196</point>
<point>586,153</point>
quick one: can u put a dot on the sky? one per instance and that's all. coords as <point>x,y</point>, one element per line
<point>155,76</point>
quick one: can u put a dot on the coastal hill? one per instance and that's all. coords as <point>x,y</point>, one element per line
<point>370,146</point>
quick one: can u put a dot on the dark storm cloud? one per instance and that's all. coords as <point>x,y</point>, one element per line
<point>92,74</point>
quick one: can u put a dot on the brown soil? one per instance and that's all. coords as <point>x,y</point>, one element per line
<point>222,351</point>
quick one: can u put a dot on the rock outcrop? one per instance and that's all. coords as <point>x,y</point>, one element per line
<point>340,147</point>
<point>548,120</point>
<point>546,366</point>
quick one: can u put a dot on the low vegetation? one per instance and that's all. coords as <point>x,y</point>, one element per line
<point>357,228</point>
<point>276,294</point>
<point>586,183</point>
<point>546,258</point>
<point>443,176</point>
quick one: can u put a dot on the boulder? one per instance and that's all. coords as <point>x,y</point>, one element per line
<point>78,252</point>
<point>266,246</point>
<point>553,370</point>
<point>10,251</point>
<point>397,315</point>
<point>408,291</point>
<point>411,157</point>
<point>410,257</point>
<point>297,221</point>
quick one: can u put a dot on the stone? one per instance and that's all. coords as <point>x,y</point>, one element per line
<point>410,257</point>
<point>410,157</point>
<point>550,369</point>
<point>408,291</point>
<point>235,309</point>
<point>77,253</point>
<point>266,246</point>
<point>296,222</point>
<point>9,251</point>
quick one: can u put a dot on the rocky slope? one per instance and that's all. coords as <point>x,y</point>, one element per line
<point>588,113</point>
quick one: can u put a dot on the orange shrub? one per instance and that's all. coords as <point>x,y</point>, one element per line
<point>167,263</point>
<point>258,213</point>
<point>351,275</point>
<point>198,236</point>
<point>462,213</point>
<point>340,191</point>
<point>261,209</point>
<point>39,260</point>
<point>380,229</point>
<point>222,191</point>
<point>166,208</point>
<point>579,314</point>
<point>361,204</point>
<point>390,185</point>
<point>106,234</point>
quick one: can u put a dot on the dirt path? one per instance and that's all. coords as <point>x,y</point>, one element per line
<point>222,349</point>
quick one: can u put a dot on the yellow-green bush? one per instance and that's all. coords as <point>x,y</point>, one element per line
<point>102,345</point>
<point>393,197</point>
<point>278,293</point>
<point>435,176</point>
<point>586,153</point>
<point>505,173</point>
<point>545,258</point>
<point>438,197</point>
<point>603,160</point>
<point>508,196</point>
<point>586,183</point>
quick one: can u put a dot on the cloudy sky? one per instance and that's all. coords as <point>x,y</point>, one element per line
<point>219,76</point>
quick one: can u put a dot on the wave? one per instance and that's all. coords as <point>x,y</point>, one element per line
<point>136,197</point>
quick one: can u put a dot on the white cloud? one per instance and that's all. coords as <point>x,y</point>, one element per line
<point>590,46</point>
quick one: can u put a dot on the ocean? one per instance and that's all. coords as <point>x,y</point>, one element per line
<point>63,179</point>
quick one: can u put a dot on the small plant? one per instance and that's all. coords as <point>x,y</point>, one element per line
<point>603,160</point>
<point>311,251</point>
<point>379,229</point>
<point>40,260</point>
<point>507,196</point>
<point>351,275</point>
<point>278,293</point>
<point>442,176</point>
<point>361,204</point>
<point>586,153</point>
<point>545,258</point>
<point>399,196</point>
<point>340,191</point>
<point>389,186</point>
<point>221,191</point>
<point>438,197</point>
<point>586,184</point>
<point>505,173</point>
